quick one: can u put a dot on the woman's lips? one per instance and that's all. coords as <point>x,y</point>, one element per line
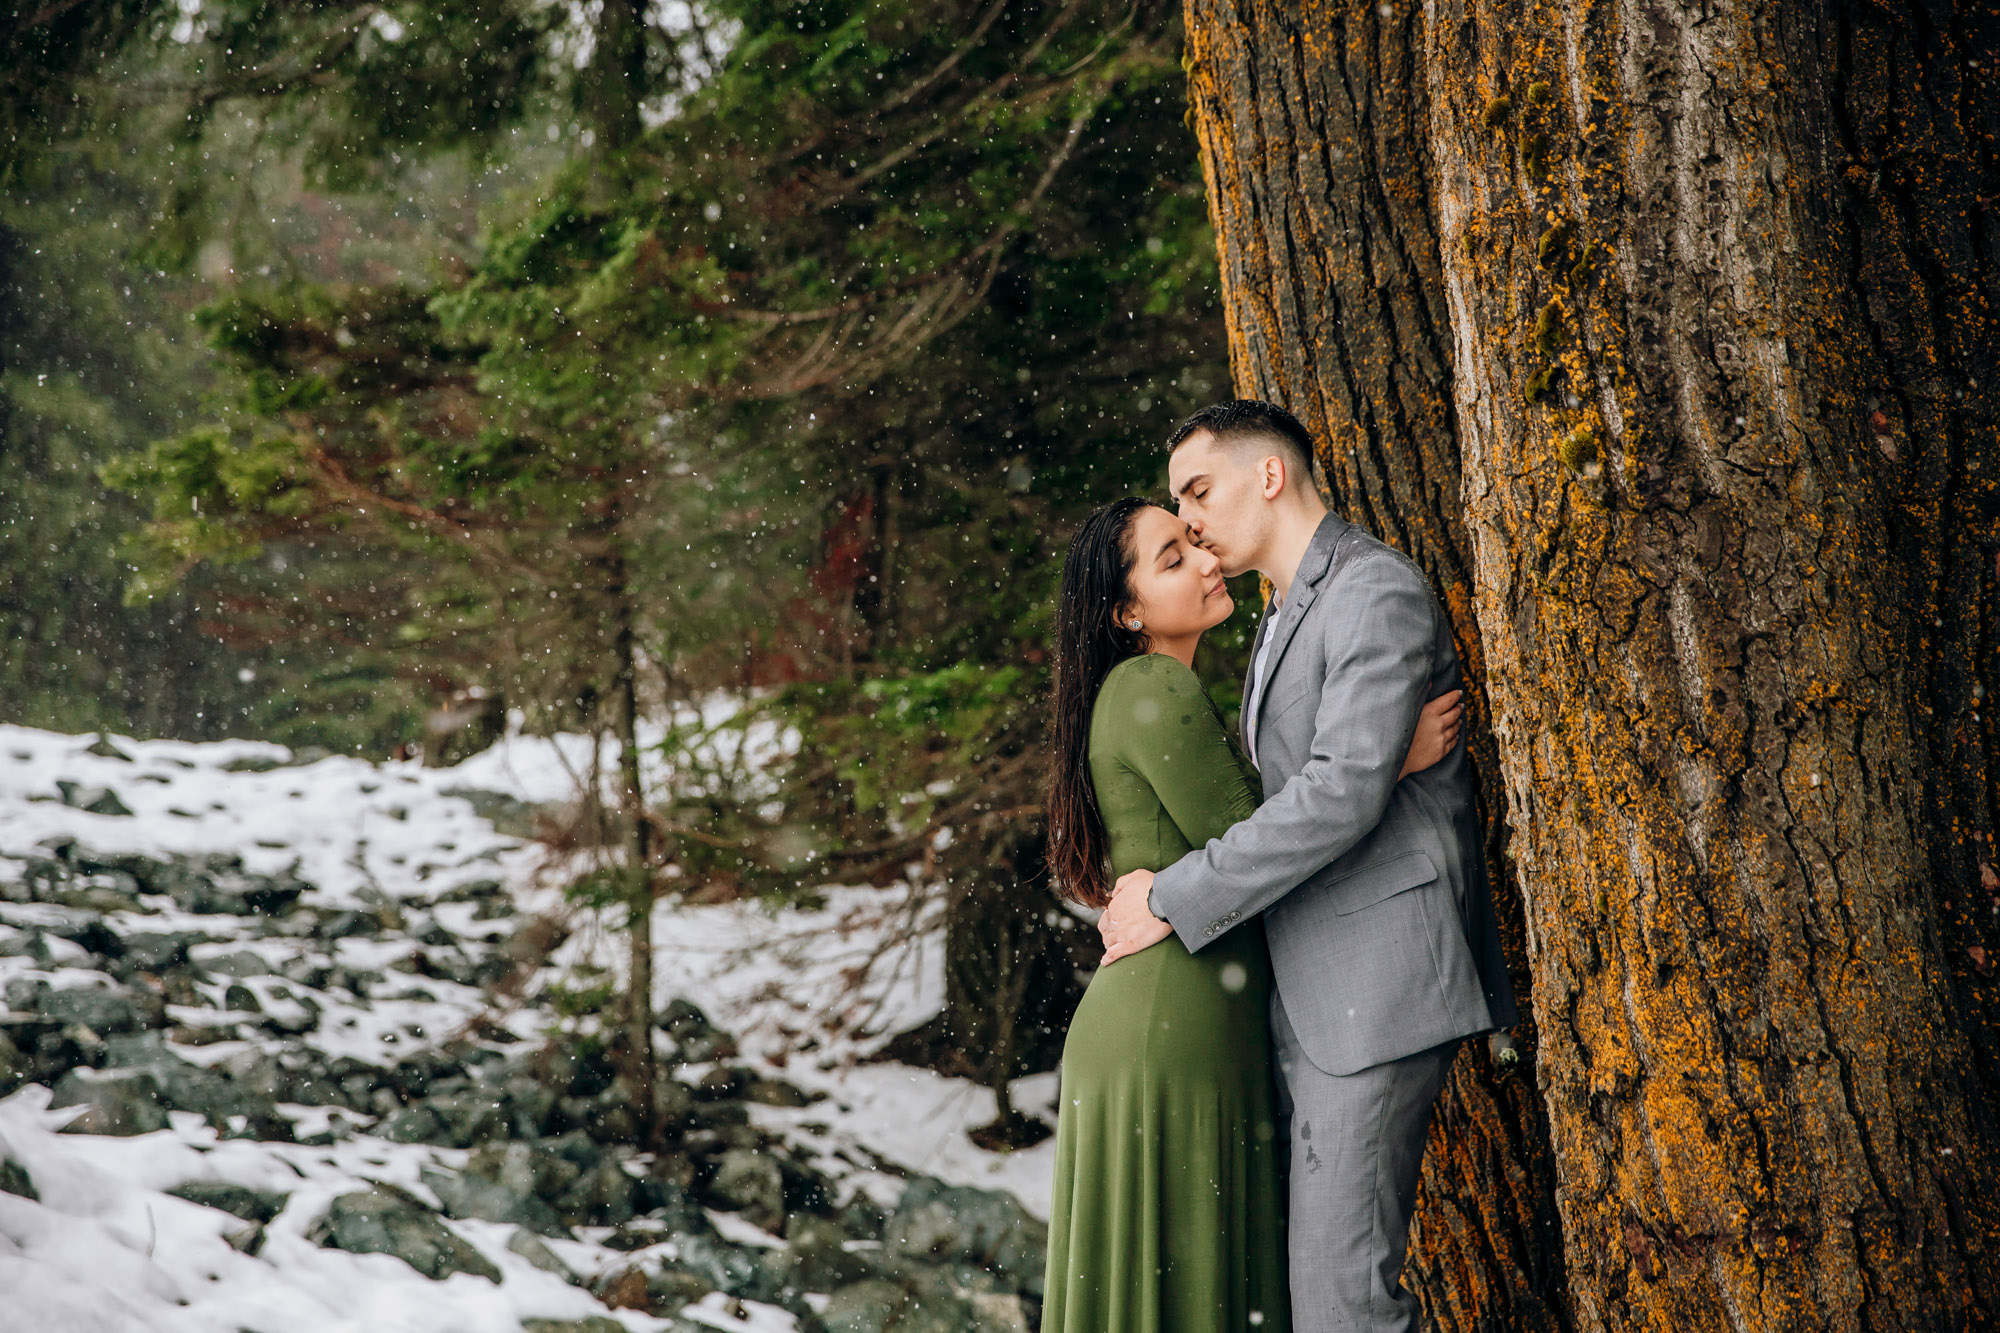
<point>1212,591</point>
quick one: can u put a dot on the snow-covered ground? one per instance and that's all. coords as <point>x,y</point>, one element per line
<point>809,995</point>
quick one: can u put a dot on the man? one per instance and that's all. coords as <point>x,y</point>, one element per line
<point>1373,890</point>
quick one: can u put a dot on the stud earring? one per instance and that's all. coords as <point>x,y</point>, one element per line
<point>1135,623</point>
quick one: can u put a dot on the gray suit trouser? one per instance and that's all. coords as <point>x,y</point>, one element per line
<point>1355,1142</point>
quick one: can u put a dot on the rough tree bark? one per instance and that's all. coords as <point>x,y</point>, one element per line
<point>1717,453</point>
<point>1720,282</point>
<point>1312,127</point>
<point>638,835</point>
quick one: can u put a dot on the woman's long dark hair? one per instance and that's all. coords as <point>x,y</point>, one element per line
<point>1090,640</point>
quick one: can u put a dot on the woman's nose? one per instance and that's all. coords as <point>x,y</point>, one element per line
<point>1209,562</point>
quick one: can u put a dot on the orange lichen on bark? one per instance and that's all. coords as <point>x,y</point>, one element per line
<point>1309,120</point>
<point>1747,1031</point>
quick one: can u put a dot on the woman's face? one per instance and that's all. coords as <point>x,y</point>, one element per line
<point>1177,588</point>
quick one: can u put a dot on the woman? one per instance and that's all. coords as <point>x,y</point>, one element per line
<point>1168,1208</point>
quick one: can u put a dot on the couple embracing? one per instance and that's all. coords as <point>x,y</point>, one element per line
<point>1298,931</point>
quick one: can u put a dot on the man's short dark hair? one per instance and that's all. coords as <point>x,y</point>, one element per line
<point>1242,420</point>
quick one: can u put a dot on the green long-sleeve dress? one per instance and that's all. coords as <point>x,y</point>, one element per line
<point>1167,1215</point>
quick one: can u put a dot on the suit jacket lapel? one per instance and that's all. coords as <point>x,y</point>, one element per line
<point>1305,590</point>
<point>1250,680</point>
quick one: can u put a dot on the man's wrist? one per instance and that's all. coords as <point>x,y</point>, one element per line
<point>1153,902</point>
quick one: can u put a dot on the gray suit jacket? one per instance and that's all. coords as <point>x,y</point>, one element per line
<point>1373,891</point>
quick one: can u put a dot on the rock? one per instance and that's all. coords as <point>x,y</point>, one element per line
<point>530,1106</point>
<point>671,1290</point>
<point>862,1307</point>
<point>673,1100</point>
<point>722,1084</point>
<point>530,1247</point>
<point>240,964</point>
<point>217,885</point>
<point>622,1289</point>
<point>154,951</point>
<point>805,1190</point>
<point>92,800</point>
<point>596,1323</point>
<point>239,998</point>
<point>507,814</point>
<point>660,1294</point>
<point>602,1195</point>
<point>938,1223</point>
<point>772,1092</point>
<point>102,1010</point>
<point>608,1117</point>
<point>14,1065</point>
<point>14,1179</point>
<point>88,932</point>
<point>413,1124</point>
<point>998,1313</point>
<point>384,1220</point>
<point>446,965</point>
<point>671,1204</point>
<point>431,931</point>
<point>136,1050</point>
<point>246,1240</point>
<point>735,1270</point>
<point>721,1116</point>
<point>106,803</point>
<point>876,1306</point>
<point>345,924</point>
<point>235,1109</point>
<point>60,1047</point>
<point>469,1118</point>
<point>820,1258</point>
<point>506,1183</point>
<point>121,1102</point>
<point>473,890</point>
<point>863,1218</point>
<point>750,1183</point>
<point>252,1205</point>
<point>104,749</point>
<point>263,1074</point>
<point>637,1236</point>
<point>493,909</point>
<point>699,1040</point>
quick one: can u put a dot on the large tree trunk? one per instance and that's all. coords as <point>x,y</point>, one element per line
<point>1717,439</point>
<point>1719,284</point>
<point>1312,128</point>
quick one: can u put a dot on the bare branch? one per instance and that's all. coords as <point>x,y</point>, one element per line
<point>950,62</point>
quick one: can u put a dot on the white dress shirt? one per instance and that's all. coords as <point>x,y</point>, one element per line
<point>1256,699</point>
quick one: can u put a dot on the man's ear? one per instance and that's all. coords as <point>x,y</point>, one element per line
<point>1273,476</point>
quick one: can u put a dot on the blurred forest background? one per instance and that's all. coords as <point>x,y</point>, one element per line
<point>371,371</point>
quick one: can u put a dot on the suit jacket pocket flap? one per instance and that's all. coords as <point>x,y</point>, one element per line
<point>1367,885</point>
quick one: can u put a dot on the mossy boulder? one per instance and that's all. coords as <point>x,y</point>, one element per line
<point>384,1220</point>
